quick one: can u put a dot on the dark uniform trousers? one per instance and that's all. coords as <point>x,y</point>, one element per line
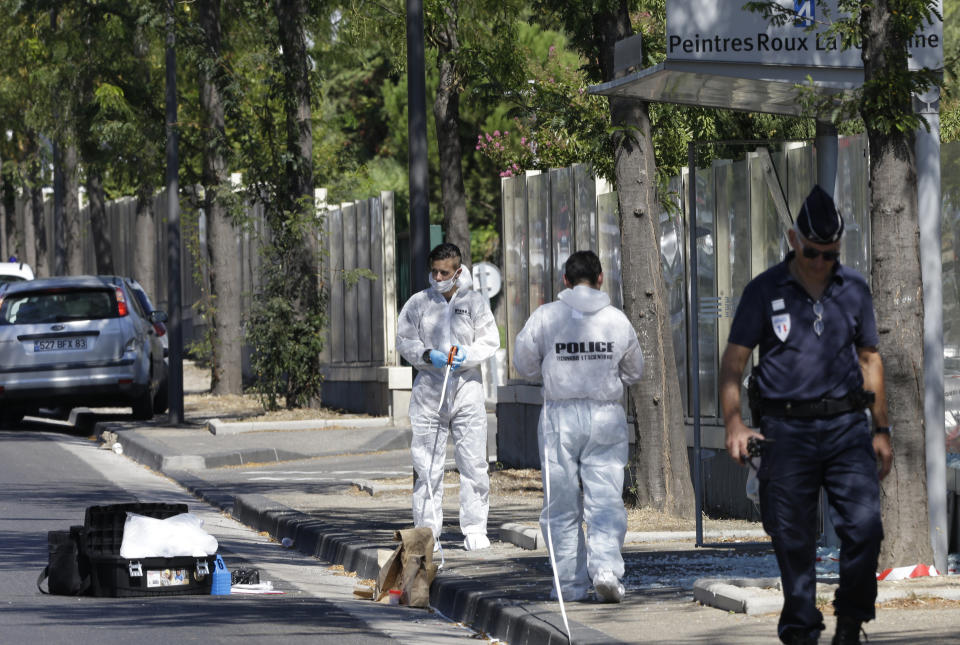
<point>837,454</point>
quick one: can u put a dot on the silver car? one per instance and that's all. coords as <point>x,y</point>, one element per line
<point>160,400</point>
<point>76,341</point>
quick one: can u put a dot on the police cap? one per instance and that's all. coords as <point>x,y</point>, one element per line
<point>819,220</point>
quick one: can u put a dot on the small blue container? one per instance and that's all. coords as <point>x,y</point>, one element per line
<point>221,578</point>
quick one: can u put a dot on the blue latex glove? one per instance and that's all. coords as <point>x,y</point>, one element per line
<point>438,358</point>
<point>459,358</point>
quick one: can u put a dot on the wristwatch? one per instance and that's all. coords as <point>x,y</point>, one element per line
<point>426,356</point>
<point>887,430</point>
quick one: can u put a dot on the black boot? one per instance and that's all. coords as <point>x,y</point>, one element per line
<point>848,631</point>
<point>799,638</point>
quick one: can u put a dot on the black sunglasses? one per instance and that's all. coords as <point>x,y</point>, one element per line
<point>812,254</point>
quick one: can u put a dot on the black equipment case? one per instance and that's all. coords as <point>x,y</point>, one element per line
<point>114,576</point>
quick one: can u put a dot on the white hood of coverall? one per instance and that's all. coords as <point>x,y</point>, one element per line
<point>584,299</point>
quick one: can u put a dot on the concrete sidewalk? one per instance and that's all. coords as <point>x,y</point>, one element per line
<point>502,591</point>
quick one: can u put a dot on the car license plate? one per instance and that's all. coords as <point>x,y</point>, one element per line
<point>60,344</point>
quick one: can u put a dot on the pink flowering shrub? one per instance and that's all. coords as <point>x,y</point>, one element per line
<point>557,123</point>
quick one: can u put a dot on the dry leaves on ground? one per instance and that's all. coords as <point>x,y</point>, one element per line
<point>199,404</point>
<point>524,486</point>
<point>247,407</point>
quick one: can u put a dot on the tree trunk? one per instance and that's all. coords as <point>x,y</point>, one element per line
<point>226,365</point>
<point>42,267</point>
<point>38,222</point>
<point>144,270</point>
<point>303,253</point>
<point>291,15</point>
<point>99,226</point>
<point>659,467</point>
<point>11,244</point>
<point>59,266</point>
<point>898,301</point>
<point>75,237</point>
<point>30,170</point>
<point>446,111</point>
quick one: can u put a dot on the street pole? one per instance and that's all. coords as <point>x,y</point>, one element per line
<point>694,322</point>
<point>175,374</point>
<point>417,152</point>
<point>927,151</point>
<point>59,234</point>
<point>827,146</point>
<point>417,135</point>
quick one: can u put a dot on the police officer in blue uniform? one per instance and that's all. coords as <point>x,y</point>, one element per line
<point>819,370</point>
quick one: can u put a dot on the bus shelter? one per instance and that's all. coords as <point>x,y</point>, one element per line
<point>722,56</point>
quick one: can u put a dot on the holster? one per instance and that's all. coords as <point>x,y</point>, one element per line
<point>754,400</point>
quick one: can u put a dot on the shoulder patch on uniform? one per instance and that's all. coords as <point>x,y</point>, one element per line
<point>781,326</point>
<point>777,305</point>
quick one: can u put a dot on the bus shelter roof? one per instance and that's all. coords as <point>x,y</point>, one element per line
<point>774,89</point>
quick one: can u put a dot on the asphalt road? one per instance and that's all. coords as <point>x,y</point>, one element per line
<point>48,478</point>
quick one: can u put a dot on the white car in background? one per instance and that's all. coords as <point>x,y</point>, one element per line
<point>15,272</point>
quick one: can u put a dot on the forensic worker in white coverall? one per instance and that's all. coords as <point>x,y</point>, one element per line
<point>586,351</point>
<point>449,313</point>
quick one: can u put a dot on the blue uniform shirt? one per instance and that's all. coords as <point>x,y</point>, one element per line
<point>776,313</point>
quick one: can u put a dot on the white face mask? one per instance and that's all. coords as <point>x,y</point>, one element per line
<point>443,286</point>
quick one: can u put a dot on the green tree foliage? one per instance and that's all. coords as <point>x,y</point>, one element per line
<point>25,61</point>
<point>286,326</point>
<point>487,67</point>
<point>93,74</point>
<point>110,92</point>
<point>89,76</point>
<point>884,100</point>
<point>553,121</point>
<point>950,100</point>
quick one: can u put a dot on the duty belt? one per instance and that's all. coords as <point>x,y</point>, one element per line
<point>816,408</point>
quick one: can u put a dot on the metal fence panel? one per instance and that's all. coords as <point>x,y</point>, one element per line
<point>350,317</point>
<point>364,306</point>
<point>515,267</point>
<point>390,279</point>
<point>706,241</point>
<point>585,196</point>
<point>673,255</point>
<point>337,297</point>
<point>376,286</point>
<point>853,199</point>
<point>538,223</point>
<point>800,174</point>
<point>562,222</point>
<point>608,246</point>
<point>723,174</point>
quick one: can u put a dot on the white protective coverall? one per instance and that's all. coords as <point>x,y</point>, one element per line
<point>428,321</point>
<point>586,350</point>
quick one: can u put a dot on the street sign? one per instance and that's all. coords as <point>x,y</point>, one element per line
<point>486,279</point>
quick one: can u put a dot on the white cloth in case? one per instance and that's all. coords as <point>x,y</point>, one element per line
<point>176,536</point>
